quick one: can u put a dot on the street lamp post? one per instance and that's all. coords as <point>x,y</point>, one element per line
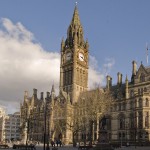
<point>46,133</point>
<point>121,139</point>
<point>44,126</point>
<point>48,148</point>
<point>27,131</point>
<point>27,127</point>
<point>135,136</point>
<point>126,133</point>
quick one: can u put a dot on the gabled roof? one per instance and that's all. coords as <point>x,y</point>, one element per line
<point>142,69</point>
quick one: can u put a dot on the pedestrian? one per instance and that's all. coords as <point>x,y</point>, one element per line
<point>52,143</point>
<point>57,142</point>
<point>60,143</point>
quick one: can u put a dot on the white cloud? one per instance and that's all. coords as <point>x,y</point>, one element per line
<point>25,65</point>
<point>97,75</point>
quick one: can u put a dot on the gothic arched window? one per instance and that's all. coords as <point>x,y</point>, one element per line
<point>147,102</point>
<point>124,106</point>
<point>131,105</point>
<point>119,106</point>
<point>139,91</point>
<point>145,89</point>
<point>132,120</point>
<point>140,102</point>
<point>142,77</point>
<point>147,120</point>
<point>140,120</point>
<point>121,122</point>
<point>131,93</point>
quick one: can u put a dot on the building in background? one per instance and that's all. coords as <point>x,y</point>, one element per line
<point>12,127</point>
<point>2,120</point>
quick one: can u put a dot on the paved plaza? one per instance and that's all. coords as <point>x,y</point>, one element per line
<point>133,148</point>
<point>59,148</point>
<point>69,147</point>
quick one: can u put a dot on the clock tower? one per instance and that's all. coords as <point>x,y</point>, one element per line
<point>74,60</point>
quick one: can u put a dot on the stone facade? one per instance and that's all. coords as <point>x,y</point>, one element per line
<point>130,110</point>
<point>2,123</point>
<point>74,60</point>
<point>127,118</point>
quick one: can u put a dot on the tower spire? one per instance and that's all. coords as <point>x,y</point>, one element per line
<point>75,30</point>
<point>75,18</point>
<point>53,89</point>
<point>74,55</point>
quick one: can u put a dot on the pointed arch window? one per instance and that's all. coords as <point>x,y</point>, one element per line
<point>121,122</point>
<point>132,120</point>
<point>131,105</point>
<point>140,120</point>
<point>147,102</point>
<point>124,106</point>
<point>147,120</point>
<point>145,89</point>
<point>131,93</point>
<point>142,77</point>
<point>120,106</point>
<point>140,102</point>
<point>139,91</point>
<point>146,135</point>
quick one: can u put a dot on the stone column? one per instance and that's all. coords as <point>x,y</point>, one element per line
<point>97,130</point>
<point>93,131</point>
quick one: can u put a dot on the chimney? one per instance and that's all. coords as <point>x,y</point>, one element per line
<point>134,67</point>
<point>42,97</point>
<point>119,82</point>
<point>48,95</point>
<point>127,87</point>
<point>109,81</point>
<point>35,92</point>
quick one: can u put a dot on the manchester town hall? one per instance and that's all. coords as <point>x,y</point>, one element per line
<point>76,113</point>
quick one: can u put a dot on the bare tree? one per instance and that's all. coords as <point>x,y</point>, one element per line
<point>80,117</point>
<point>94,105</point>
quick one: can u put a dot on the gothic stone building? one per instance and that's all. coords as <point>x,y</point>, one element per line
<point>53,116</point>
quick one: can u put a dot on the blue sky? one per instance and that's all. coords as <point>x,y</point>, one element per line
<point>117,32</point>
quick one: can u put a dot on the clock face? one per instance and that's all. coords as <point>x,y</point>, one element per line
<point>68,56</point>
<point>81,57</point>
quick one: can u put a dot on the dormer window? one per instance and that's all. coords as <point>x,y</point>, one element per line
<point>142,77</point>
<point>131,93</point>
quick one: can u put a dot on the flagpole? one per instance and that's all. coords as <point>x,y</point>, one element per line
<point>147,53</point>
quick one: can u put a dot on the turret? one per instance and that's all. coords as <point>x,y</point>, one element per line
<point>62,44</point>
<point>25,94</point>
<point>109,82</point>
<point>47,95</point>
<point>42,96</point>
<point>34,97</point>
<point>35,93</point>
<point>53,92</point>
<point>134,69</point>
<point>87,45</point>
<point>127,87</point>
<point>119,81</point>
